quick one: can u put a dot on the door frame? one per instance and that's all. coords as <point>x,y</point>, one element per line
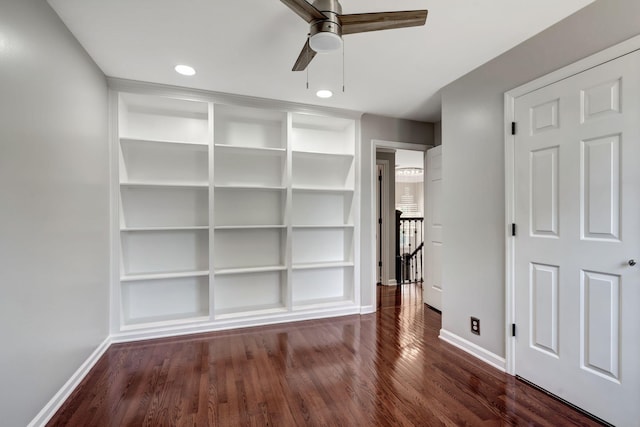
<point>380,143</point>
<point>609,54</point>
<point>384,236</point>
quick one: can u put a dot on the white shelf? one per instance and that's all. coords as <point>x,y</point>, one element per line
<point>201,146</point>
<point>248,270</point>
<point>312,226</point>
<point>160,184</point>
<point>250,150</point>
<point>309,189</point>
<point>161,276</point>
<point>180,228</point>
<point>248,227</point>
<point>324,155</point>
<point>319,265</point>
<point>251,187</point>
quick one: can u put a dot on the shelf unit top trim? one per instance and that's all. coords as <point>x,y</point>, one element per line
<point>177,92</point>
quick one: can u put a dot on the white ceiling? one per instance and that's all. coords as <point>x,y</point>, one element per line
<point>248,47</point>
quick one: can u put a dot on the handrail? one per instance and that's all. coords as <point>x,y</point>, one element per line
<point>417,249</point>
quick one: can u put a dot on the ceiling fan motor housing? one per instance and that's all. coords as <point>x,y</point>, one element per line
<point>331,9</point>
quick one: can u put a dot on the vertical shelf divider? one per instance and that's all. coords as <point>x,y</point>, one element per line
<point>288,126</point>
<point>211,141</point>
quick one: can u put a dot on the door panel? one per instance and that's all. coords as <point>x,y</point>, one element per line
<point>433,220</point>
<point>576,295</point>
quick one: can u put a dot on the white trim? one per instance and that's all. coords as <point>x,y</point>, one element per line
<point>609,54</point>
<point>72,383</point>
<point>473,349</point>
<point>145,88</point>
<point>235,323</point>
<point>392,282</point>
<point>384,238</point>
<point>367,309</point>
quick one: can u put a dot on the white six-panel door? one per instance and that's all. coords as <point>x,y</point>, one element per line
<point>433,229</point>
<point>577,208</point>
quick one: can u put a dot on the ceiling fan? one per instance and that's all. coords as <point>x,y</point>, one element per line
<point>328,25</point>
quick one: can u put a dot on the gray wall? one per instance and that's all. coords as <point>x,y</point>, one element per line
<point>54,239</point>
<point>473,161</point>
<point>390,215</point>
<point>385,129</point>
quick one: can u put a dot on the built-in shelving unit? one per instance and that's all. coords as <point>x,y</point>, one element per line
<point>230,213</point>
<point>164,203</point>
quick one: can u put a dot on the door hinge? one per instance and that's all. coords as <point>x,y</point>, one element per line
<point>379,263</point>
<point>513,229</point>
<point>513,128</point>
<point>379,177</point>
<point>379,220</point>
<point>513,329</point>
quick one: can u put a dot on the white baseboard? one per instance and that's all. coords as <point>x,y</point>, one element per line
<point>391,282</point>
<point>474,350</point>
<point>63,394</point>
<point>366,309</point>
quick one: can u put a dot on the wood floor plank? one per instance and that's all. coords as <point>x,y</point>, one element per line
<point>383,369</point>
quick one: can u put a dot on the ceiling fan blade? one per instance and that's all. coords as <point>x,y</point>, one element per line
<point>305,57</point>
<point>363,22</point>
<point>304,10</point>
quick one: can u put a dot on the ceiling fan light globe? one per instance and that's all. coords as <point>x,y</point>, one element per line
<point>325,42</point>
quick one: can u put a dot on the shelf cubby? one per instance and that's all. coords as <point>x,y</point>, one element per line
<point>249,127</point>
<point>319,134</point>
<point>248,248</point>
<point>322,286</point>
<point>154,162</point>
<point>322,245</point>
<point>164,251</point>
<point>250,168</point>
<point>249,293</point>
<point>249,206</point>
<point>154,118</point>
<point>166,300</point>
<point>322,208</point>
<point>157,206</point>
<point>322,171</point>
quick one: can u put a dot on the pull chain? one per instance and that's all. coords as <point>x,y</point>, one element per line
<point>342,67</point>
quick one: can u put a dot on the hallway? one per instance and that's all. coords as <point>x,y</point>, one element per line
<point>387,368</point>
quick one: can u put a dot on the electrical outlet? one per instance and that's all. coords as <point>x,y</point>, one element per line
<point>475,325</point>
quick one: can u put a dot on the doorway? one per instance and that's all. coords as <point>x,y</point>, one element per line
<point>392,241</point>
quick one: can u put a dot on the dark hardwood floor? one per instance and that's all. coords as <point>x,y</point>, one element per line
<point>387,368</point>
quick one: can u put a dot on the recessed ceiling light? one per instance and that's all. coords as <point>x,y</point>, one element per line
<point>185,70</point>
<point>324,93</point>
